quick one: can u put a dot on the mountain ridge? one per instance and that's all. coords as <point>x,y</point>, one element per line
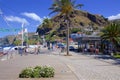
<point>79,19</point>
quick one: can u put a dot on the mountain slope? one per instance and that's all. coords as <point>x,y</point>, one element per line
<point>79,19</point>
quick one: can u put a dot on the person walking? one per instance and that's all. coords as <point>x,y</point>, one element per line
<point>36,50</point>
<point>97,51</point>
<point>39,49</point>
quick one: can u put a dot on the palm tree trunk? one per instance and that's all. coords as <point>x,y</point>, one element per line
<point>67,37</point>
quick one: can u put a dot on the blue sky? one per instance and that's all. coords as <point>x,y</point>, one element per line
<point>32,12</point>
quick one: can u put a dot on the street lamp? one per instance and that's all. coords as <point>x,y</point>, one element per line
<point>22,34</point>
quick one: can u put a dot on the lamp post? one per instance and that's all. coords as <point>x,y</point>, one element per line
<point>22,34</point>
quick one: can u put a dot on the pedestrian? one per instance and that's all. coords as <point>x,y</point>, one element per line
<point>97,51</point>
<point>50,46</point>
<point>25,50</point>
<point>36,50</point>
<point>20,51</point>
<point>85,50</point>
<point>62,49</point>
<point>39,49</point>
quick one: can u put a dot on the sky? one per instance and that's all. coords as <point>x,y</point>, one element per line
<point>32,12</point>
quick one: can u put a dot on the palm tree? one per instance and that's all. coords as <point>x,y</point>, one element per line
<point>47,23</point>
<point>111,33</point>
<point>65,8</point>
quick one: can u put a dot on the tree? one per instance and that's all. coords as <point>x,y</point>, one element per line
<point>17,42</point>
<point>47,23</point>
<point>75,30</point>
<point>65,8</point>
<point>111,33</point>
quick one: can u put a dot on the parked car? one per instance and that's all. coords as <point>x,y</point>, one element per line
<point>31,49</point>
<point>60,45</point>
<point>74,44</point>
<point>71,48</point>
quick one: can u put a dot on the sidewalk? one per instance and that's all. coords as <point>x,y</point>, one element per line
<point>89,68</point>
<point>11,68</point>
<point>75,67</point>
<point>106,58</point>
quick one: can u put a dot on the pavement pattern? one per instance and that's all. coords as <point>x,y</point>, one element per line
<point>75,67</point>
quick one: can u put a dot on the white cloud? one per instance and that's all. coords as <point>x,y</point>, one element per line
<point>46,17</point>
<point>17,19</point>
<point>33,16</point>
<point>113,17</point>
<point>37,25</point>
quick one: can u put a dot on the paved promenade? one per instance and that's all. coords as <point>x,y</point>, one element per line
<point>75,67</point>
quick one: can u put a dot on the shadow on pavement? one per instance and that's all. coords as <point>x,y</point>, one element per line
<point>117,62</point>
<point>108,59</point>
<point>105,58</point>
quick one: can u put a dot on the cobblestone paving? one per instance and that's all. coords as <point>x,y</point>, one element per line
<point>87,68</point>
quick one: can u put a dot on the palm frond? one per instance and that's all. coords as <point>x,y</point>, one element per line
<point>111,33</point>
<point>64,6</point>
<point>78,6</point>
<point>55,11</point>
<point>73,2</point>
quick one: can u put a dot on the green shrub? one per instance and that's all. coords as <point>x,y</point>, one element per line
<point>38,67</point>
<point>26,73</point>
<point>116,55</point>
<point>47,72</point>
<point>37,72</point>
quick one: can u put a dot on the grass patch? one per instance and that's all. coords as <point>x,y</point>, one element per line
<point>117,55</point>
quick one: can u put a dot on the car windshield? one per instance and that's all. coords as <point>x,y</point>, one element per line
<point>60,45</point>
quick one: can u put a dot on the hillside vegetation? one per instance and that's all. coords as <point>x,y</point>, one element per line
<point>79,20</point>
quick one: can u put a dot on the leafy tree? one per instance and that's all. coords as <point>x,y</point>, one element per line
<point>47,23</point>
<point>111,33</point>
<point>75,30</point>
<point>17,42</point>
<point>49,37</point>
<point>65,8</point>
<point>32,41</point>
